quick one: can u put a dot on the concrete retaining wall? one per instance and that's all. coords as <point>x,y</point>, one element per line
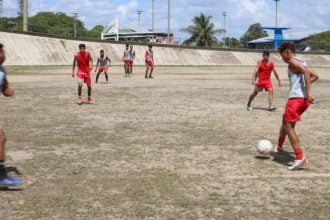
<point>27,49</point>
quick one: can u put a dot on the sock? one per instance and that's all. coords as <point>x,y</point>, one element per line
<point>280,142</point>
<point>299,153</point>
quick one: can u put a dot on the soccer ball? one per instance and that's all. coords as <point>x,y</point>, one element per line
<point>264,147</point>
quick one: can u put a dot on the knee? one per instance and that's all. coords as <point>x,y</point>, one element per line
<point>3,137</point>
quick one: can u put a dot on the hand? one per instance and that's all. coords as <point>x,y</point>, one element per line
<point>254,82</point>
<point>310,99</point>
<point>280,83</point>
<point>91,68</point>
<point>8,92</point>
<point>72,75</point>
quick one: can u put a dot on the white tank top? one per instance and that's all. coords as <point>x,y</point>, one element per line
<point>149,55</point>
<point>2,76</point>
<point>132,55</point>
<point>103,61</point>
<point>297,82</point>
<point>127,55</point>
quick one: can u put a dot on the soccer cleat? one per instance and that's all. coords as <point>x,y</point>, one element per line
<point>298,164</point>
<point>90,101</point>
<point>79,101</point>
<point>249,108</point>
<point>10,181</point>
<point>272,108</point>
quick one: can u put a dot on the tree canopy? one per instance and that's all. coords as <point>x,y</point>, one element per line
<point>253,32</point>
<point>202,32</point>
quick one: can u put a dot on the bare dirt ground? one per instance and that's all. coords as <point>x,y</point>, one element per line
<point>180,146</point>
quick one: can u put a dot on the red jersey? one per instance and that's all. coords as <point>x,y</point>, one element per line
<point>265,71</point>
<point>83,62</point>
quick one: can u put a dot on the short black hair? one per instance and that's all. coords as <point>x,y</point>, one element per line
<point>82,46</point>
<point>127,45</point>
<point>150,46</point>
<point>101,51</point>
<point>287,46</point>
<point>266,52</point>
<point>1,46</point>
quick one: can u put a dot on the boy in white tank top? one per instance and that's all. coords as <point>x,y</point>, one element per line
<point>105,63</point>
<point>127,60</point>
<point>301,77</point>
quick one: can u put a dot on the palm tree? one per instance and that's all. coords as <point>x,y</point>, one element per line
<point>202,32</point>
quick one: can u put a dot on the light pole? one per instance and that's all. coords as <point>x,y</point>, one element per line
<point>224,14</point>
<point>25,15</point>
<point>276,12</point>
<point>139,12</point>
<point>153,16</point>
<point>168,21</point>
<point>75,26</point>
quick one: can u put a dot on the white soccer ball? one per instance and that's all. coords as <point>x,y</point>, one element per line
<point>264,147</point>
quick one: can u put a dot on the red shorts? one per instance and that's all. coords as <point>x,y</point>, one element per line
<point>294,109</point>
<point>131,62</point>
<point>103,69</point>
<point>264,85</point>
<point>86,77</point>
<point>127,62</point>
<point>150,64</point>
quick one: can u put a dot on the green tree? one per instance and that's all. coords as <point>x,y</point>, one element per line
<point>95,32</point>
<point>203,32</point>
<point>320,41</point>
<point>55,23</point>
<point>231,42</point>
<point>254,32</point>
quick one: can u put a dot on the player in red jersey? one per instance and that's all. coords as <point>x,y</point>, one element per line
<point>84,61</point>
<point>149,58</point>
<point>261,78</point>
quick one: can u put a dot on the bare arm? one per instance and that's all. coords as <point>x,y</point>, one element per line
<point>277,76</point>
<point>74,65</point>
<point>91,62</point>
<point>314,75</point>
<point>295,64</point>
<point>109,61</point>
<point>97,64</point>
<point>6,89</point>
<point>254,75</point>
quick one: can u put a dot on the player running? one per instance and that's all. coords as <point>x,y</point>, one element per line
<point>105,63</point>
<point>5,180</point>
<point>261,78</point>
<point>300,97</point>
<point>149,58</point>
<point>84,61</point>
<point>127,60</point>
<point>132,58</point>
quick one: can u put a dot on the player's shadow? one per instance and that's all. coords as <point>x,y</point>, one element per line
<point>262,157</point>
<point>7,189</point>
<point>263,109</point>
<point>285,158</point>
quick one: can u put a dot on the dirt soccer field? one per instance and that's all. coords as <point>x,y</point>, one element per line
<point>180,146</point>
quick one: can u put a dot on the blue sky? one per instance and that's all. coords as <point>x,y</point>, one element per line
<point>303,16</point>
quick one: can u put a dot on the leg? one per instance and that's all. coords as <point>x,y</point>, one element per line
<point>97,76</point>
<point>106,76</point>
<point>147,71</point>
<point>294,140</point>
<point>130,69</point>
<point>89,90</point>
<point>270,98</point>
<point>79,89</point>
<point>2,153</point>
<point>151,71</point>
<point>252,96</point>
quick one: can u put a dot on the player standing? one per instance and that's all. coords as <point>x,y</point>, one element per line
<point>105,63</point>
<point>127,60</point>
<point>301,77</point>
<point>5,180</point>
<point>261,78</point>
<point>84,61</point>
<point>132,58</point>
<point>149,58</point>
